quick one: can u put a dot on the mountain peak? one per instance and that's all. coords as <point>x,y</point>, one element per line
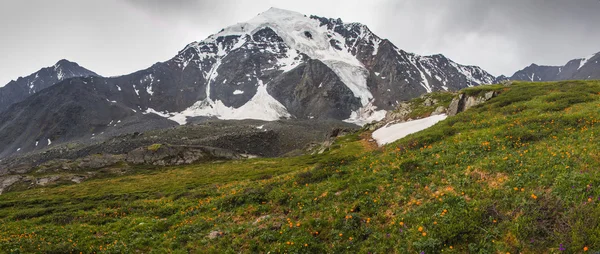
<point>277,12</point>
<point>64,63</point>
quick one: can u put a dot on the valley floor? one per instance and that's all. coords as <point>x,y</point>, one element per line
<point>518,174</point>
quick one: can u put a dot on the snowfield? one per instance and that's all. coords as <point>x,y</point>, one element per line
<point>391,133</point>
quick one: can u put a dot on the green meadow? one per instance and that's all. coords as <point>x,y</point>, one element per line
<point>517,174</point>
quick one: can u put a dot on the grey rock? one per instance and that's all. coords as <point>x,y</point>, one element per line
<point>7,181</point>
<point>261,219</point>
<point>47,180</point>
<point>463,102</point>
<point>473,101</point>
<point>456,105</point>
<point>439,110</point>
<point>429,102</point>
<point>214,234</point>
<point>77,179</point>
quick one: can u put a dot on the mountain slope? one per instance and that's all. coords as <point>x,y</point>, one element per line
<point>578,69</point>
<point>515,174</point>
<point>18,90</point>
<point>281,64</point>
<point>71,110</point>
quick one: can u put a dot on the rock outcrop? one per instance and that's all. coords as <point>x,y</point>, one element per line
<point>463,102</point>
<point>167,155</point>
<point>6,182</point>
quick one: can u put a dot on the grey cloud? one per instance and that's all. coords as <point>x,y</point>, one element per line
<point>115,37</point>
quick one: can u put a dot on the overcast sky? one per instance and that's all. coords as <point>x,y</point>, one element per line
<point>115,37</point>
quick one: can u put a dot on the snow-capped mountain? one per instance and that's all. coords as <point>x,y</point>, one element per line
<point>280,64</point>
<point>576,69</point>
<point>262,69</point>
<point>16,91</point>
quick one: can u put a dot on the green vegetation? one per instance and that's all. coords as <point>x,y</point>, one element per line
<point>517,174</point>
<point>420,110</point>
<point>154,147</point>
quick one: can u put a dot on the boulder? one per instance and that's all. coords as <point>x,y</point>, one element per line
<point>214,234</point>
<point>463,102</point>
<point>77,179</point>
<point>47,180</point>
<point>429,102</point>
<point>7,181</point>
<point>439,110</point>
<point>457,105</point>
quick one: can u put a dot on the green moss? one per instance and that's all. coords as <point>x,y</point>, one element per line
<point>154,147</point>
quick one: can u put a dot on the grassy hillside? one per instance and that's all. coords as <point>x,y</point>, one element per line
<point>517,174</point>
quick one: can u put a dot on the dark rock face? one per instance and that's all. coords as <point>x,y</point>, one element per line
<point>312,90</point>
<point>18,90</point>
<point>577,69</point>
<point>243,69</point>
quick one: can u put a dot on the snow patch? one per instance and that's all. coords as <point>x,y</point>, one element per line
<point>49,142</point>
<point>152,111</point>
<point>392,133</point>
<point>236,92</point>
<point>261,107</point>
<point>366,115</point>
<point>376,47</point>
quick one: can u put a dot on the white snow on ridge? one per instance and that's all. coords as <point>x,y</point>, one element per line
<point>464,70</point>
<point>236,92</point>
<point>59,72</point>
<point>376,47</point>
<point>392,133</point>
<point>585,60</point>
<point>152,111</point>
